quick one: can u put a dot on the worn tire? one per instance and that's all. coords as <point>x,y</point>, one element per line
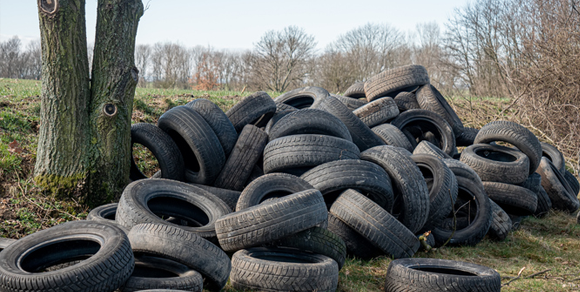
<point>429,98</point>
<point>501,224</point>
<point>393,80</point>
<point>466,137</point>
<point>253,109</point>
<point>515,200</point>
<point>406,101</point>
<point>557,187</point>
<point>110,261</point>
<point>275,269</point>
<point>425,274</point>
<point>309,121</point>
<point>391,135</point>
<point>375,224</point>
<point>163,148</point>
<point>183,247</point>
<point>497,163</point>
<point>377,112</point>
<point>516,135</point>
<point>273,185</point>
<point>357,90</point>
<point>419,123</point>
<point>356,244</point>
<point>271,220</point>
<point>218,121</point>
<point>573,182</point>
<point>5,242</point>
<point>350,103</point>
<point>230,197</point>
<point>426,147</point>
<point>303,97</point>
<point>544,204</point>
<point>157,272</point>
<point>298,153</point>
<point>411,203</point>
<point>202,152</point>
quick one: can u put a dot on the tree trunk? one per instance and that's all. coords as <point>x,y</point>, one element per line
<point>84,143</point>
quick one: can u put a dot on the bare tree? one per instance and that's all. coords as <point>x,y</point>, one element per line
<point>171,65</point>
<point>142,61</point>
<point>9,57</point>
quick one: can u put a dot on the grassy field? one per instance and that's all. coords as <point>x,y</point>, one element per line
<point>550,245</point>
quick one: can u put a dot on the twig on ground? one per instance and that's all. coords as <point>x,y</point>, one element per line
<point>519,275</point>
<point>537,274</point>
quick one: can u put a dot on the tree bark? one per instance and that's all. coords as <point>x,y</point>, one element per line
<point>84,143</point>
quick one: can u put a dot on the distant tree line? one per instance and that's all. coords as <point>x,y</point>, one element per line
<point>21,62</point>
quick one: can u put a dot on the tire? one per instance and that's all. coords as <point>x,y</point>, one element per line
<point>351,103</point>
<point>377,112</point>
<point>356,244</point>
<point>106,259</point>
<point>497,163</point>
<point>573,182</point>
<point>275,118</point>
<point>391,135</point>
<point>516,135</point>
<point>466,137</point>
<point>501,224</point>
<point>273,185</point>
<point>256,108</point>
<point>533,182</point>
<point>298,153</point>
<point>105,213</point>
<point>558,189</point>
<point>5,242</point>
<point>333,178</point>
<point>421,122</point>
<point>282,107</point>
<point>426,147</point>
<point>361,134</point>
<point>319,241</point>
<point>230,197</point>
<point>429,98</point>
<point>271,220</point>
<point>303,97</point>
<point>309,121</point>
<point>553,154</point>
<point>146,201</point>
<point>442,186</point>
<point>157,272</point>
<point>183,247</point>
<point>461,169</point>
<point>357,90</point>
<point>424,274</point>
<point>480,215</point>
<point>202,152</point>
<point>515,200</point>
<point>218,121</point>
<point>393,80</point>
<point>544,204</point>
<point>246,153</point>
<point>411,203</point>
<point>406,101</point>
<point>274,269</point>
<point>163,148</point>
<point>375,224</point>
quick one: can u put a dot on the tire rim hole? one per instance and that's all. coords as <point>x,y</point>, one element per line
<point>58,255</point>
<point>445,271</point>
<point>178,212</point>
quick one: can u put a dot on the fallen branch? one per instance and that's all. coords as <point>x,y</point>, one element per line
<point>519,275</point>
<point>537,274</point>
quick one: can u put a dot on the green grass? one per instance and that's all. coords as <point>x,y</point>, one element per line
<point>551,243</point>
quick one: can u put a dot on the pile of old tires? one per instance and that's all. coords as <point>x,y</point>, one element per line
<point>273,194</point>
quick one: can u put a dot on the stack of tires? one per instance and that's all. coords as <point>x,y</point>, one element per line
<point>287,187</point>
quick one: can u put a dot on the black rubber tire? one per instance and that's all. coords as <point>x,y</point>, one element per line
<point>425,274</point>
<point>202,152</point>
<point>429,98</point>
<point>282,107</point>
<point>501,224</point>
<point>357,90</point>
<point>375,224</point>
<point>351,103</point>
<point>461,169</point>
<point>319,241</point>
<point>393,80</point>
<point>157,272</point>
<point>218,121</point>
<point>273,185</point>
<point>333,178</point>
<point>544,204</point>
<point>356,244</point>
<point>361,134</point>
<point>256,108</point>
<point>106,213</point>
<point>303,97</point>
<point>275,118</point>
<point>406,101</point>
<point>391,135</point>
<point>183,247</point>
<point>515,200</point>
<point>516,135</point>
<point>533,182</point>
<point>420,122</point>
<point>271,220</point>
<point>411,203</point>
<point>145,201</point>
<point>298,153</point>
<point>106,259</point>
<point>163,148</point>
<point>557,187</point>
<point>230,197</point>
<point>480,218</point>
<point>246,153</point>
<point>426,147</point>
<point>442,186</point>
<point>309,121</point>
<point>466,137</point>
<point>553,154</point>
<point>275,269</point>
<point>573,182</point>
<point>5,242</point>
<point>497,163</point>
<point>377,112</point>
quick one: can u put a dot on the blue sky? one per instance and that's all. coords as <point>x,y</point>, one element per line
<point>239,24</point>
